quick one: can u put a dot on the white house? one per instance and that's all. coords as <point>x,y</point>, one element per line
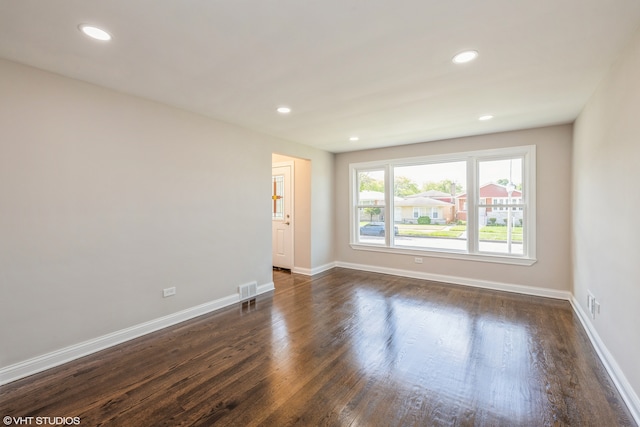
<point>409,209</point>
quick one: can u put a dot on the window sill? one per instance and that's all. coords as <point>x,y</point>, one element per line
<point>492,258</point>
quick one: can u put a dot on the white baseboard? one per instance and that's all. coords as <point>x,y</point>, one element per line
<point>313,271</point>
<point>485,284</point>
<point>58,357</point>
<point>301,270</point>
<point>619,379</point>
<point>267,287</point>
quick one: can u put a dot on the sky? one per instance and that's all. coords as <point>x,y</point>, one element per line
<point>490,171</point>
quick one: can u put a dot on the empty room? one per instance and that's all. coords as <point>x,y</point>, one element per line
<point>340,213</point>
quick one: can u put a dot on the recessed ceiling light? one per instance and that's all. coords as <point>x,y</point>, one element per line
<point>466,56</point>
<point>95,32</point>
<point>485,117</point>
<point>284,110</point>
<point>354,138</point>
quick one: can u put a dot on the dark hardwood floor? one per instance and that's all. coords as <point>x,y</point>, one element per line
<point>344,348</point>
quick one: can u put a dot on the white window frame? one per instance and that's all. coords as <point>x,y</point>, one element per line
<point>357,204</point>
<point>472,203</point>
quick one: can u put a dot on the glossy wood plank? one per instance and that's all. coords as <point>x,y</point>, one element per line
<point>344,348</point>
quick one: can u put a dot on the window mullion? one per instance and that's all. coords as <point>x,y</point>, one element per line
<point>472,205</point>
<point>353,201</point>
<point>388,206</point>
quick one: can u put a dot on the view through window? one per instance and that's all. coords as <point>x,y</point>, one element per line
<point>371,207</point>
<point>425,208</point>
<point>501,209</point>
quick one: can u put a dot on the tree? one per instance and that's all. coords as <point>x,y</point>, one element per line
<point>505,181</point>
<point>371,212</point>
<point>368,183</point>
<point>403,186</point>
<point>444,186</point>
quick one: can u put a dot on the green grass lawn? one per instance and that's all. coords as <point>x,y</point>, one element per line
<point>415,233</point>
<point>446,233</point>
<point>500,233</point>
<point>420,226</point>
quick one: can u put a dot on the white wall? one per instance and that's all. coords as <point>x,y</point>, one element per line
<point>606,204</point>
<point>553,153</point>
<point>106,199</point>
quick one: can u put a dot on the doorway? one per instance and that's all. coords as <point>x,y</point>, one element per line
<point>282,217</point>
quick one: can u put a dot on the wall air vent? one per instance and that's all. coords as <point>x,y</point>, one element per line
<point>248,291</point>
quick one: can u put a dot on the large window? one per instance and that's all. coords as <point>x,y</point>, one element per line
<point>478,205</point>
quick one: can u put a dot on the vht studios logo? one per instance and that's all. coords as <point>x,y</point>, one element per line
<point>41,421</point>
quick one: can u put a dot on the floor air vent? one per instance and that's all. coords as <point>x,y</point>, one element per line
<point>248,291</point>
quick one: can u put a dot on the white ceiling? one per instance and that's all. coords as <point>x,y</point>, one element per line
<point>379,69</point>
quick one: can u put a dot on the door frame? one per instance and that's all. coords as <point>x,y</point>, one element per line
<point>291,165</point>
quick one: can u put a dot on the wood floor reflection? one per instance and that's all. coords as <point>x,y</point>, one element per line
<point>344,348</point>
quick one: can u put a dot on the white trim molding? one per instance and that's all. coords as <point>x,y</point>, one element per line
<point>617,376</point>
<point>313,271</point>
<point>476,283</point>
<point>58,357</point>
<point>499,259</point>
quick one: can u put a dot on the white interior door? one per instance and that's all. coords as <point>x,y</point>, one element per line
<point>282,215</point>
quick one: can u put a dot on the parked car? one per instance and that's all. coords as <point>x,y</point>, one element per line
<point>375,229</point>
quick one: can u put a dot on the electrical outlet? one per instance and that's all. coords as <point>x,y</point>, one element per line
<point>169,292</point>
<point>592,305</point>
<point>417,260</point>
